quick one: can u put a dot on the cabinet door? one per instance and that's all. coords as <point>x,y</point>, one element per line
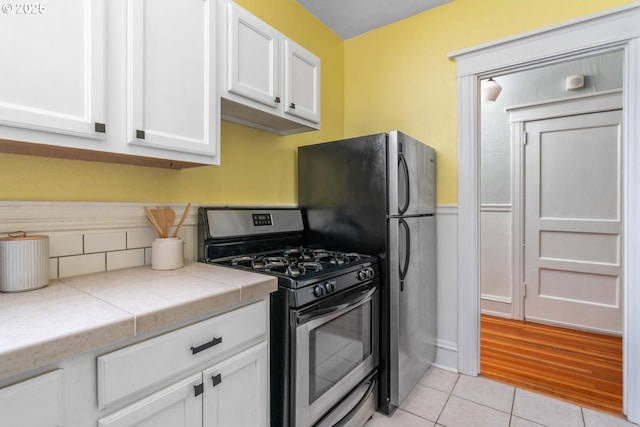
<point>53,72</point>
<point>236,391</point>
<point>17,402</point>
<point>171,84</point>
<point>174,406</point>
<point>253,57</point>
<point>302,82</point>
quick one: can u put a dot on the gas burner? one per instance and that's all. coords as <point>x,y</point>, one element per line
<point>243,261</point>
<point>298,255</point>
<point>275,265</point>
<point>311,265</point>
<point>335,258</point>
<point>295,262</point>
<point>291,270</point>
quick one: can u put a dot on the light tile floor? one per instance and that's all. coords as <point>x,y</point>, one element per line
<point>447,399</point>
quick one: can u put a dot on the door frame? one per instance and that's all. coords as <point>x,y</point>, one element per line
<point>518,116</point>
<point>610,30</point>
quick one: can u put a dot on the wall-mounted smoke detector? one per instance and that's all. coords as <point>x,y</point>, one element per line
<point>574,82</point>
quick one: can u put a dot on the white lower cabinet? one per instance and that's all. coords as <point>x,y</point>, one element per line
<point>236,390</point>
<point>174,406</point>
<point>36,402</point>
<point>230,393</point>
<point>213,373</point>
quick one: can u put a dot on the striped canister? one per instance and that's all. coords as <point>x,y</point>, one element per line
<point>24,262</point>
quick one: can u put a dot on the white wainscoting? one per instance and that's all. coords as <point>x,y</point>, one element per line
<point>447,342</point>
<point>496,260</point>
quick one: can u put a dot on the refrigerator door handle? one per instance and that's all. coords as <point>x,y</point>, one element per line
<point>402,163</point>
<point>407,253</point>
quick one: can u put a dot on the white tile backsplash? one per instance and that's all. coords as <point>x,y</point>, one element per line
<point>81,264</point>
<point>103,242</point>
<point>65,245</point>
<point>83,235</point>
<point>53,268</point>
<point>117,260</point>
<point>141,238</point>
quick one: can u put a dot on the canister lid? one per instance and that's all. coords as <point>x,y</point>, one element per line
<point>21,235</point>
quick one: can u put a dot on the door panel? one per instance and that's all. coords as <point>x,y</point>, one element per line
<point>253,58</point>
<point>573,222</point>
<point>173,406</point>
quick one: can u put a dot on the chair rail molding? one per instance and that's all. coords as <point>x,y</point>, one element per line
<point>614,29</point>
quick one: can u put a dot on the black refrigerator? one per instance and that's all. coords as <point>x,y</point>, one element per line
<point>376,195</point>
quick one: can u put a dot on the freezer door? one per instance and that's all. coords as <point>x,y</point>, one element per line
<point>412,286</point>
<point>412,176</point>
<point>342,188</point>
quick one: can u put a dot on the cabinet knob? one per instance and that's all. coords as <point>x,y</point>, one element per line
<point>217,379</point>
<point>198,389</point>
<point>277,100</point>
<point>292,106</point>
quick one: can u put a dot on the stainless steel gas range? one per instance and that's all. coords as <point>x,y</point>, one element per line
<point>324,316</point>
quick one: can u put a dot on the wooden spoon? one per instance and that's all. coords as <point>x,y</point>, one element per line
<point>184,216</point>
<point>152,219</point>
<point>162,222</point>
<point>170,217</point>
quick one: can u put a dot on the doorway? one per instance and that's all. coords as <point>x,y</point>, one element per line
<point>559,225</point>
<point>529,96</point>
<point>609,30</point>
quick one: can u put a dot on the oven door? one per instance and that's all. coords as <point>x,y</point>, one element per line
<point>336,349</point>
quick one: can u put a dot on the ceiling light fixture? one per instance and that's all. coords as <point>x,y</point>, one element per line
<point>490,90</point>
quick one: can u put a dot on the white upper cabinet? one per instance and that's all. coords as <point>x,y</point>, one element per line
<point>267,81</point>
<point>52,76</point>
<point>252,67</point>
<point>171,83</point>
<point>127,81</point>
<point>302,79</point>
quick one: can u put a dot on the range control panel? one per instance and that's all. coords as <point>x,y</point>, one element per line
<point>260,219</point>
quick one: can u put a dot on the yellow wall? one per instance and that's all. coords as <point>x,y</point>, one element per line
<point>397,77</point>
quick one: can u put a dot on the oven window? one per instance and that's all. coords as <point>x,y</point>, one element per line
<point>337,347</point>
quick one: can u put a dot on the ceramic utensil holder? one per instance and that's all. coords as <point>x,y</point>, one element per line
<point>167,253</point>
<point>24,262</point>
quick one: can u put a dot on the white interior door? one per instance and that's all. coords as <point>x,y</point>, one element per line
<point>573,224</point>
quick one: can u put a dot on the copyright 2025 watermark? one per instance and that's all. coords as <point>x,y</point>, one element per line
<point>23,8</point>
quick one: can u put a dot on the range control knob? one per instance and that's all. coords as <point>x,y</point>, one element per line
<point>370,273</point>
<point>318,291</point>
<point>361,275</point>
<point>329,287</point>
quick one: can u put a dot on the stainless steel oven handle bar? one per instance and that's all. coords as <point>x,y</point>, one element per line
<point>360,298</point>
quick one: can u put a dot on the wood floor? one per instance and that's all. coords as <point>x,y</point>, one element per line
<point>579,367</point>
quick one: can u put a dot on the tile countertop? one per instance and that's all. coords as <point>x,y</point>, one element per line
<point>79,314</point>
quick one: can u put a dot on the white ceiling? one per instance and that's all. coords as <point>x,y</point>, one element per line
<point>349,18</point>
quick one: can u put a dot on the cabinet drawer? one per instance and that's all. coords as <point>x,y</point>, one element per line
<point>126,371</point>
<point>33,403</point>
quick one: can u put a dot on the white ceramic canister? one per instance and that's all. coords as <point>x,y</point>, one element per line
<point>24,262</point>
<point>167,253</point>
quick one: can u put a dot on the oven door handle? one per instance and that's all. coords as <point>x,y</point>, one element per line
<point>353,302</point>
